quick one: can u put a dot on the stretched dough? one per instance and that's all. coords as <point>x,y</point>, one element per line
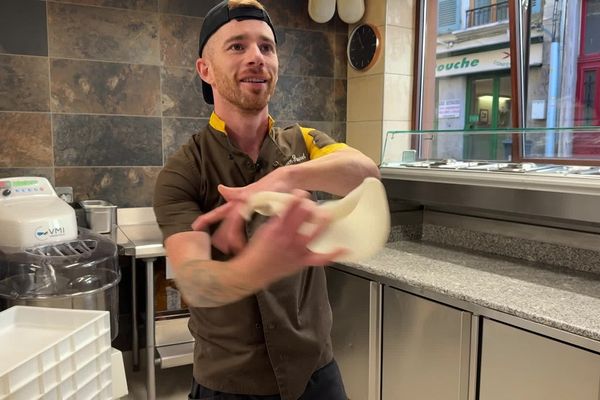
<point>321,11</point>
<point>350,11</point>
<point>360,220</point>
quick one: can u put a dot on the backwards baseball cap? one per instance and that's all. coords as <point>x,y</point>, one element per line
<point>218,16</point>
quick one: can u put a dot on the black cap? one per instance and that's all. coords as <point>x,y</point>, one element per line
<point>218,16</point>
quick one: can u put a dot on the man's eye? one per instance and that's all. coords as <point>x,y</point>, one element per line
<point>236,47</point>
<point>267,48</point>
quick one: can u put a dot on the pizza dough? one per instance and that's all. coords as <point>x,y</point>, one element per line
<point>360,220</point>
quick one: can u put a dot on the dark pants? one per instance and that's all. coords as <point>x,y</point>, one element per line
<point>325,383</point>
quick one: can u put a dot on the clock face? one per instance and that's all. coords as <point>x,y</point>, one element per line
<point>362,46</point>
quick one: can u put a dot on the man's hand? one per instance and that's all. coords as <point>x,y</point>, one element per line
<point>230,236</point>
<point>280,246</point>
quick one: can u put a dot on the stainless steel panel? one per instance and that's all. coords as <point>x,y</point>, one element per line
<point>175,355</point>
<point>474,356</point>
<point>520,365</point>
<point>355,332</point>
<point>577,206</point>
<point>172,331</point>
<point>426,349</point>
<point>581,240</point>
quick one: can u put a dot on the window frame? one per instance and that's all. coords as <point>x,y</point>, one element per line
<point>519,40</point>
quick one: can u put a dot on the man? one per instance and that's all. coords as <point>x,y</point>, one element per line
<point>258,298</point>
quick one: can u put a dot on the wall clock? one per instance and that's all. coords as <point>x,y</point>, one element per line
<point>363,47</point>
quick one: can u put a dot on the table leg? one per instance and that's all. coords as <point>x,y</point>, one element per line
<point>135,345</point>
<point>150,382</point>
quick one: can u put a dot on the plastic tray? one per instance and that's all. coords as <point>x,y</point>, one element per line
<point>50,353</point>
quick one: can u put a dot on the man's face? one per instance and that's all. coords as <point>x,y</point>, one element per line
<point>242,64</point>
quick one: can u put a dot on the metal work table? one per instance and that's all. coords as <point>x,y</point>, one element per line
<point>139,237</point>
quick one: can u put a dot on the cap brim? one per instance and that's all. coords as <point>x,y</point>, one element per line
<point>207,93</point>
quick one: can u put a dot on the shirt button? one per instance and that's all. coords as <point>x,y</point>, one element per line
<point>258,326</point>
<point>275,164</point>
<point>248,164</point>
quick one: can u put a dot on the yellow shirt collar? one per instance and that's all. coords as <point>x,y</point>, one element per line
<point>218,124</point>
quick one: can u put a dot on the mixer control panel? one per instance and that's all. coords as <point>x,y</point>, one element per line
<point>25,187</point>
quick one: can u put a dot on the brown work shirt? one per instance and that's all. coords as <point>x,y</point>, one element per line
<point>270,342</point>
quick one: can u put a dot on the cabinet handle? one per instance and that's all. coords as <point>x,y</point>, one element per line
<point>374,392</point>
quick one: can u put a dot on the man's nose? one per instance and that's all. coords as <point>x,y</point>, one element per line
<point>255,55</point>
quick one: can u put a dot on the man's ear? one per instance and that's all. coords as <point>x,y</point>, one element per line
<point>202,68</point>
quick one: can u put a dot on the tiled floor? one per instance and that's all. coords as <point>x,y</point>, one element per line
<point>171,383</point>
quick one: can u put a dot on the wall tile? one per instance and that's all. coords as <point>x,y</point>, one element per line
<point>179,40</point>
<point>366,136</point>
<point>398,97</point>
<point>294,14</point>
<point>399,50</point>
<point>197,8</point>
<point>144,5</point>
<point>303,98</point>
<point>124,187</point>
<point>24,83</point>
<point>401,13</point>
<point>104,88</point>
<point>182,94</point>
<point>375,12</point>
<point>17,172</point>
<point>365,98</point>
<point>323,126</point>
<point>305,53</point>
<point>178,131</point>
<point>102,34</point>
<point>393,146</point>
<point>26,140</point>
<point>23,27</point>
<point>339,131</point>
<point>95,140</point>
<point>340,60</point>
<point>340,98</point>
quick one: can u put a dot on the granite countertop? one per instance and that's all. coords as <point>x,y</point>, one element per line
<point>560,298</point>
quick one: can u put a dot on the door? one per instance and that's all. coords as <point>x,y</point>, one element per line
<point>519,365</point>
<point>355,304</point>
<point>489,107</point>
<point>588,88</point>
<point>426,348</point>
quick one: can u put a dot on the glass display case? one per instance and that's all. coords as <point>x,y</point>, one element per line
<point>569,152</point>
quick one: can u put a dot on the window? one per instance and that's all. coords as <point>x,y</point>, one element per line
<point>467,80</point>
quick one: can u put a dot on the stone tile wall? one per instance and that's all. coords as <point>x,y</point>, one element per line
<point>96,94</point>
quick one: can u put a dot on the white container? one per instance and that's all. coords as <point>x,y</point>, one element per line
<point>55,354</point>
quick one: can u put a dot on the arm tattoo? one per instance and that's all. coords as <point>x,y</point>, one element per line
<point>203,283</point>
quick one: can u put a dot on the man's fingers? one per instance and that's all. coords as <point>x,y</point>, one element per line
<point>215,215</point>
<point>231,193</point>
<point>322,259</point>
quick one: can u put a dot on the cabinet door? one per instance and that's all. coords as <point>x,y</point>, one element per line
<point>355,333</point>
<point>519,365</point>
<point>426,348</point>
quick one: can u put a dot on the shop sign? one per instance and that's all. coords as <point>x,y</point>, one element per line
<point>449,108</point>
<point>485,61</point>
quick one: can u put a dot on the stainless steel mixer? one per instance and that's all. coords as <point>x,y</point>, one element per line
<point>45,260</point>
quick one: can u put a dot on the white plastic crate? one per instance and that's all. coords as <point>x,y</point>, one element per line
<point>50,353</point>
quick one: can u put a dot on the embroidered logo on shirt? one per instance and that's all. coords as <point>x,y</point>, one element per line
<point>296,159</point>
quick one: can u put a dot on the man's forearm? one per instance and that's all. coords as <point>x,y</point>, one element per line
<point>208,283</point>
<point>337,173</point>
